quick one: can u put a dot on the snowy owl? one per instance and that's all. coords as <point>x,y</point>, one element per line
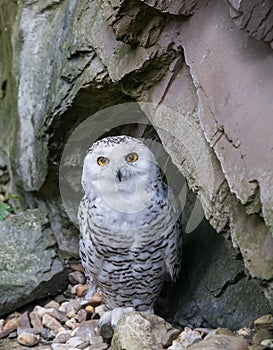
<point>130,231</point>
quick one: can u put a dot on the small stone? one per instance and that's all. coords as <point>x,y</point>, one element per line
<point>72,308</point>
<point>96,299</point>
<point>26,330</point>
<point>82,315</point>
<point>62,337</point>
<point>204,331</point>
<point>168,337</point>
<point>2,324</point>
<point>100,309</point>
<point>41,311</point>
<point>71,323</point>
<point>217,342</point>
<point>59,315</point>
<point>87,329</point>
<point>106,331</point>
<point>57,346</point>
<point>9,327</point>
<point>48,334</point>
<point>13,335</point>
<point>28,339</point>
<point>13,315</point>
<point>52,304</point>
<point>224,331</point>
<point>77,342</point>
<point>73,289</point>
<point>76,267</point>
<point>51,322</point>
<point>268,343</point>
<point>81,290</point>
<point>98,346</point>
<point>140,330</point>
<point>244,332</point>
<point>90,308</point>
<point>36,321</point>
<point>76,277</point>
<point>63,306</point>
<point>188,337</point>
<point>265,321</point>
<point>262,334</point>
<point>24,321</point>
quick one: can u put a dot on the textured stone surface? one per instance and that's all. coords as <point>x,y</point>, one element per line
<point>29,265</point>
<point>214,290</point>
<point>137,331</point>
<point>255,17</point>
<point>221,342</point>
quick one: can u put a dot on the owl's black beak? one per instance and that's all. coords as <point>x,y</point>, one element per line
<point>119,175</point>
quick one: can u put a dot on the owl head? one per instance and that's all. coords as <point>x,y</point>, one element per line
<point>119,166</point>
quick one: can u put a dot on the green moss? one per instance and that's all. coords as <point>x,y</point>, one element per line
<point>8,99</point>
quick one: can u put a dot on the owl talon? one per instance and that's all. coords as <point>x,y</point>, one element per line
<point>113,316</point>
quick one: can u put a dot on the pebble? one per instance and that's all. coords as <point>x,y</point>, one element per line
<point>100,310</point>
<point>11,323</point>
<point>87,329</point>
<point>52,304</point>
<point>265,321</point>
<point>224,331</point>
<point>77,342</point>
<point>101,346</point>
<point>220,342</point>
<point>9,327</point>
<point>76,277</point>
<point>59,315</point>
<point>168,338</point>
<point>62,336</point>
<point>82,315</point>
<point>96,300</point>
<point>188,337</point>
<point>81,290</point>
<point>244,332</point>
<point>41,311</point>
<point>28,339</point>
<point>2,324</point>
<point>26,330</point>
<point>90,308</point>
<point>63,306</point>
<point>72,308</point>
<point>268,343</point>
<point>106,331</point>
<point>36,321</point>
<point>261,335</point>
<point>71,323</point>
<point>74,288</point>
<point>76,267</point>
<point>51,322</point>
<point>24,321</point>
<point>57,346</point>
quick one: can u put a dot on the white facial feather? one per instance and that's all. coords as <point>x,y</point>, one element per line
<point>121,184</point>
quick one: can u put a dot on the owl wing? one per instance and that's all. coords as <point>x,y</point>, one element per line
<point>85,244</point>
<point>174,237</point>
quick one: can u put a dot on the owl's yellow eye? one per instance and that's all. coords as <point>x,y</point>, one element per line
<point>131,157</point>
<point>102,161</point>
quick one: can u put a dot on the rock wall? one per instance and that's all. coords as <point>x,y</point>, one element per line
<point>200,70</point>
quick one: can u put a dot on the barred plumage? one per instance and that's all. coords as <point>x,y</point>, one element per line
<point>130,233</point>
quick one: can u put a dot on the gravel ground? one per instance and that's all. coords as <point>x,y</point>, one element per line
<point>69,321</point>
